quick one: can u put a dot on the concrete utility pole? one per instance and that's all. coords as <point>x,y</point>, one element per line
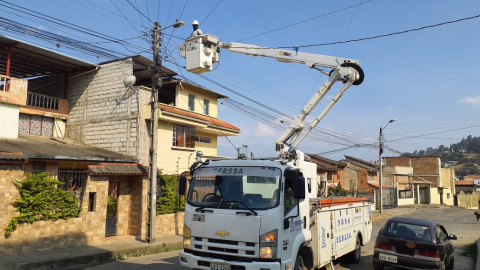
<point>157,80</point>
<point>152,173</point>
<point>380,152</point>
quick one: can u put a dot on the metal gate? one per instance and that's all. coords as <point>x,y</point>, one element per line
<point>389,197</point>
<point>111,223</point>
<point>424,195</point>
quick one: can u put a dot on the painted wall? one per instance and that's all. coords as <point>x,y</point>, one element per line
<point>9,120</point>
<point>200,95</point>
<point>468,201</point>
<point>175,160</point>
<point>406,201</point>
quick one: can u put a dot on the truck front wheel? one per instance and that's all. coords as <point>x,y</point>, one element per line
<point>299,265</point>
<point>354,256</point>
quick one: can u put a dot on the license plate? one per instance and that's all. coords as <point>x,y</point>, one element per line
<point>387,258</point>
<point>220,266</point>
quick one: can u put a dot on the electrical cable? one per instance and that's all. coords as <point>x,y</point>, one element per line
<point>211,12</point>
<point>139,12</point>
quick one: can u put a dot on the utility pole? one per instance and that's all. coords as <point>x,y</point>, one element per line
<point>152,173</point>
<point>380,152</point>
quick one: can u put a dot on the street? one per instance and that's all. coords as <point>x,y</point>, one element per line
<point>460,222</point>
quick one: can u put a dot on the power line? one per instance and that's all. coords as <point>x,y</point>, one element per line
<point>375,37</point>
<point>310,19</point>
<point>211,12</point>
<point>139,12</point>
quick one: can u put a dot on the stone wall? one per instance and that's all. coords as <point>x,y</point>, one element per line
<point>87,229</point>
<point>169,224</point>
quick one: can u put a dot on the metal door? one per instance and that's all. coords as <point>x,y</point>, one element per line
<point>424,195</point>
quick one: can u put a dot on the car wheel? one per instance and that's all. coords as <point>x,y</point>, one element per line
<point>450,264</point>
<point>354,256</point>
<point>299,265</point>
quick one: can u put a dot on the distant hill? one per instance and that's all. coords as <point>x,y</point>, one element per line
<point>466,153</point>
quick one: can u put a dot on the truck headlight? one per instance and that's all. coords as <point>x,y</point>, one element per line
<point>268,244</point>
<point>187,241</point>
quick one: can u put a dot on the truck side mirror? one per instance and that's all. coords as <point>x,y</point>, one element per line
<point>299,188</point>
<point>182,185</point>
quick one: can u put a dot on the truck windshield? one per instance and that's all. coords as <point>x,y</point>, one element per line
<point>235,187</point>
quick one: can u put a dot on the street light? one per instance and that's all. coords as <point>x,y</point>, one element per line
<point>156,84</point>
<point>380,151</point>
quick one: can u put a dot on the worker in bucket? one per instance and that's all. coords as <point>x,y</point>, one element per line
<point>196,32</point>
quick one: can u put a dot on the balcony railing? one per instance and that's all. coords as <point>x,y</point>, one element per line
<point>42,101</point>
<point>4,83</point>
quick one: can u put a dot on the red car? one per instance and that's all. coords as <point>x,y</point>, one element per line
<point>413,243</point>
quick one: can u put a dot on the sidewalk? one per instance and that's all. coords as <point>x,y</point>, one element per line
<point>83,256</point>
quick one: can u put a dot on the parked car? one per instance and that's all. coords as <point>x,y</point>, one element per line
<point>413,243</point>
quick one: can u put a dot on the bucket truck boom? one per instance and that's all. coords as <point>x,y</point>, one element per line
<point>202,51</point>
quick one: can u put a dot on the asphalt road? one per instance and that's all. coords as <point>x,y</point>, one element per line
<point>457,221</point>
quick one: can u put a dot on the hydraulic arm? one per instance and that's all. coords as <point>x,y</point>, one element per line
<point>201,52</point>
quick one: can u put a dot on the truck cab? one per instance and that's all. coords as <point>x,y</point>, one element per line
<point>245,211</point>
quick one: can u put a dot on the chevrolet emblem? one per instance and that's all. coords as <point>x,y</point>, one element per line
<point>222,233</point>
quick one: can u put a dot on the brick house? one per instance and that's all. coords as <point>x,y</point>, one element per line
<point>328,170</point>
<point>432,183</point>
<point>362,175</point>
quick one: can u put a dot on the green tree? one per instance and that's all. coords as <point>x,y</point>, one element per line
<point>338,190</point>
<point>40,199</point>
<point>170,200</point>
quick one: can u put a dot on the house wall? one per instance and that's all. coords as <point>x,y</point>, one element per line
<point>424,168</point>
<point>175,160</point>
<point>9,120</point>
<point>102,111</point>
<point>406,201</point>
<point>200,95</point>
<point>435,194</point>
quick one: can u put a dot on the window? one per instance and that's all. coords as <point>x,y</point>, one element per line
<point>183,136</point>
<point>167,94</point>
<point>371,176</point>
<point>406,231</point>
<point>202,139</point>
<point>206,104</point>
<point>448,195</point>
<point>91,201</point>
<point>329,176</point>
<point>39,167</point>
<point>191,102</point>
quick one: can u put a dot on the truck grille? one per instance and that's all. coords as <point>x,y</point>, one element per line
<point>224,247</point>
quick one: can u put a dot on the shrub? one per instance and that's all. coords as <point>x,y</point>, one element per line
<point>338,190</point>
<point>169,201</point>
<point>40,199</point>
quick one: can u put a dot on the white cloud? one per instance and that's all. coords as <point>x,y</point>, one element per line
<point>388,108</point>
<point>41,27</point>
<point>263,130</point>
<point>470,100</point>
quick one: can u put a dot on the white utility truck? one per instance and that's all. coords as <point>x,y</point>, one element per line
<point>264,213</point>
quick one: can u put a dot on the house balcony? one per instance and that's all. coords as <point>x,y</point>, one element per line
<point>38,104</point>
<point>13,90</point>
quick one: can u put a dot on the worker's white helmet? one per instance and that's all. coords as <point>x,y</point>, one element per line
<point>195,22</point>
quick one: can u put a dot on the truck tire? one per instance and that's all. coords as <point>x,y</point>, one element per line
<point>299,265</point>
<point>355,255</point>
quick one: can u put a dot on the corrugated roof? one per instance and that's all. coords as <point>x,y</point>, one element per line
<point>211,121</point>
<point>377,185</point>
<point>464,183</point>
<point>28,60</point>
<point>362,163</point>
<point>142,67</point>
<point>46,148</point>
<point>118,168</point>
<point>325,163</point>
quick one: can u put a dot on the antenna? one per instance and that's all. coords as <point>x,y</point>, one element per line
<point>129,82</point>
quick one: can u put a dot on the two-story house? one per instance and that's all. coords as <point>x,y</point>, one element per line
<point>361,176</point>
<point>432,183</point>
<point>330,171</point>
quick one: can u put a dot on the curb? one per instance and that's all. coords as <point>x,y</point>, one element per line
<point>96,258</point>
<point>477,267</point>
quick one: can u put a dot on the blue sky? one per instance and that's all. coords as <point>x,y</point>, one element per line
<point>425,79</point>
